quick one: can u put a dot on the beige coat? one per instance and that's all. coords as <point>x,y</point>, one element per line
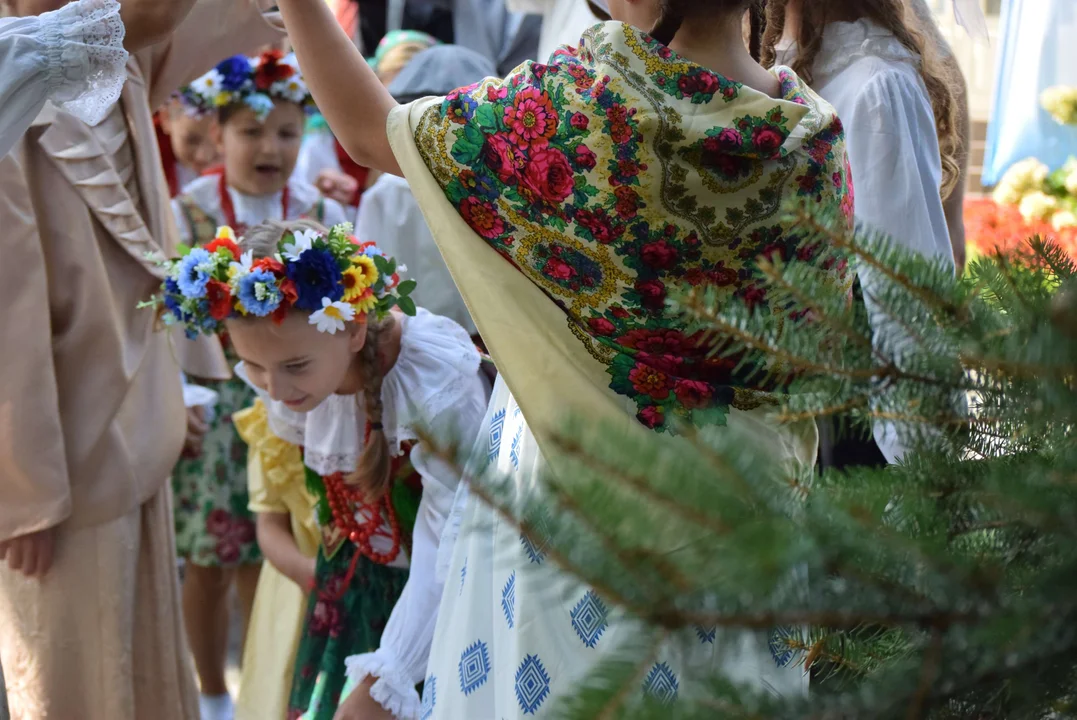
<point>91,409</point>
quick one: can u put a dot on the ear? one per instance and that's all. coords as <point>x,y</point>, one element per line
<point>164,118</point>
<point>357,331</point>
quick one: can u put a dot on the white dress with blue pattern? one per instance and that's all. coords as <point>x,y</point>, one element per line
<point>514,632</point>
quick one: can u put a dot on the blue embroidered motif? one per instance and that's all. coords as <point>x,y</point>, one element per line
<point>430,697</point>
<point>508,600</point>
<point>661,684</point>
<point>515,454</point>
<point>589,618</point>
<point>474,667</point>
<point>463,576</point>
<point>706,635</point>
<point>536,551</point>
<point>780,647</point>
<point>532,684</point>
<point>497,427</point>
<point>534,554</point>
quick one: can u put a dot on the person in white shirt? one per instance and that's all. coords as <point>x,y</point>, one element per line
<point>389,213</point>
<point>897,104</point>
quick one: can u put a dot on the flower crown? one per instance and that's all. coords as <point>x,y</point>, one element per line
<point>334,277</point>
<point>254,82</point>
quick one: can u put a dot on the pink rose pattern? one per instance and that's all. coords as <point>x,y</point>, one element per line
<point>214,527</point>
<point>566,146</point>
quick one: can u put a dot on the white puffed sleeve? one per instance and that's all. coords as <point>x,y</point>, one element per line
<point>73,56</point>
<point>897,174</point>
<point>400,663</point>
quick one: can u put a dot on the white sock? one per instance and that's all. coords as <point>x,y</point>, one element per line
<point>216,707</point>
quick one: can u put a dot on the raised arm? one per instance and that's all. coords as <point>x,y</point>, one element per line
<point>347,91</point>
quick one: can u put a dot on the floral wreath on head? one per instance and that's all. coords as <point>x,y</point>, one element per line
<point>333,276</point>
<point>255,83</point>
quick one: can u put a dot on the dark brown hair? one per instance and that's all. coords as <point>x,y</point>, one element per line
<point>890,14</point>
<point>375,464</point>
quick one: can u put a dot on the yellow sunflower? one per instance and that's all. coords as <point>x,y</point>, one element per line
<point>365,302</point>
<point>360,276</point>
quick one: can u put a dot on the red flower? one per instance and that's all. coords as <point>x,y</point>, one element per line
<point>579,121</point>
<point>585,157</point>
<point>243,530</point>
<point>531,118</point>
<point>601,326</point>
<point>627,202</point>
<point>223,242</point>
<point>767,139</point>
<point>660,255</point>
<point>619,312</point>
<point>649,381</point>
<point>288,291</point>
<point>621,133</point>
<point>271,70</point>
<point>326,619</point>
<point>654,342</point>
<point>723,276</point>
<point>227,550</point>
<point>217,522</point>
<point>652,416</point>
<point>482,217</point>
<point>652,294</point>
<point>599,224</point>
<point>549,176</point>
<point>503,158</point>
<point>695,276</point>
<point>269,264</point>
<point>220,299</point>
<point>754,295</point>
<point>558,269</point>
<point>693,394</point>
<point>730,139</point>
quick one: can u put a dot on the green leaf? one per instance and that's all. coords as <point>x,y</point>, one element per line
<point>382,265</point>
<point>486,117</point>
<point>468,146</point>
<point>407,305</point>
<point>406,288</point>
<point>183,250</point>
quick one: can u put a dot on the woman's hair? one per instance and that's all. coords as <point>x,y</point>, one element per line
<point>372,475</point>
<point>397,58</point>
<point>890,14</point>
<point>673,13</point>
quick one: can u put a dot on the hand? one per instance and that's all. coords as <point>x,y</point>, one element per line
<point>196,430</point>
<point>305,574</point>
<point>29,554</point>
<point>360,706</point>
<point>337,186</point>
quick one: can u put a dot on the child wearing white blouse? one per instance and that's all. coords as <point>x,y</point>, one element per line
<point>898,107</point>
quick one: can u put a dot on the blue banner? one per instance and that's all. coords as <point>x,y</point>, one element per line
<point>1038,50</point>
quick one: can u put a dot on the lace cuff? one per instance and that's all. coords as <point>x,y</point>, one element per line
<point>87,65</point>
<point>393,691</point>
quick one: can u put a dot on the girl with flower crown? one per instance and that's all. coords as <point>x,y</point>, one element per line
<point>260,106</point>
<point>569,200</point>
<point>185,134</point>
<point>348,370</point>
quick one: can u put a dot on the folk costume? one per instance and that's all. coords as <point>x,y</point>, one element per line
<point>91,408</point>
<point>567,201</point>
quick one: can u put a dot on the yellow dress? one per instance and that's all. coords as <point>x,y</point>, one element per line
<point>276,481</point>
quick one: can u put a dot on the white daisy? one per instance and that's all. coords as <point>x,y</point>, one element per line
<point>209,85</point>
<point>332,316</point>
<point>301,242</point>
<point>293,89</point>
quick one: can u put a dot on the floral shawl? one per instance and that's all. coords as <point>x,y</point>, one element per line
<point>604,179</point>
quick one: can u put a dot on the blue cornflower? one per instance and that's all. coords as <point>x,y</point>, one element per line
<point>194,271</point>
<point>235,72</point>
<point>316,275</point>
<point>261,104</point>
<point>258,292</point>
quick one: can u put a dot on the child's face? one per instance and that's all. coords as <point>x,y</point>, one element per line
<point>259,157</point>
<point>294,362</point>
<point>192,138</point>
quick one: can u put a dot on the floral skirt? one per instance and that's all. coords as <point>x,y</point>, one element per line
<point>340,622</point>
<point>214,526</point>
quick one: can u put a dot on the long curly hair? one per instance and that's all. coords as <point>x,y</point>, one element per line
<point>892,15</point>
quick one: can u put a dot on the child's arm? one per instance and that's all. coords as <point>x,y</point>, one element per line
<point>279,547</point>
<point>347,91</point>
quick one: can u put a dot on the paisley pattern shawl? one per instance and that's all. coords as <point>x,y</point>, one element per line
<point>621,170</point>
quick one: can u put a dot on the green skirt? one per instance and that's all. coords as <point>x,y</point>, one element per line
<point>340,622</point>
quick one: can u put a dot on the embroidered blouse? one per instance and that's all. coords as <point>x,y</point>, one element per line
<point>436,383</point>
<point>73,56</point>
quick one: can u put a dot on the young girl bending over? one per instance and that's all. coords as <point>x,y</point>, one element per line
<point>568,200</point>
<point>260,105</point>
<point>897,103</point>
<point>353,383</point>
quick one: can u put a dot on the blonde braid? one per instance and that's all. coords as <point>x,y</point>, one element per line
<point>372,475</point>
